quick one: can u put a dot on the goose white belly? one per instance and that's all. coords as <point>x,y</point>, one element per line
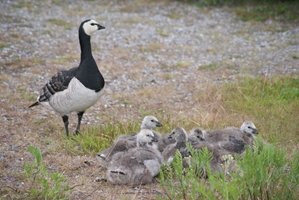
<point>75,98</point>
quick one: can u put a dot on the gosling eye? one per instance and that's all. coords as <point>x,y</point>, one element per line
<point>148,135</point>
<point>152,120</point>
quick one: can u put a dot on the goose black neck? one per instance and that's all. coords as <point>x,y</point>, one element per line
<point>87,72</point>
<point>84,44</point>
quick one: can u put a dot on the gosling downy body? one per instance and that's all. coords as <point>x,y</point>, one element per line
<point>125,142</point>
<point>180,136</point>
<point>246,133</point>
<point>138,165</point>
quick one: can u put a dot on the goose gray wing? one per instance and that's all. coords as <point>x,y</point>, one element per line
<point>57,83</point>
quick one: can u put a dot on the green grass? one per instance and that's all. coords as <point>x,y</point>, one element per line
<point>23,4</point>
<point>95,139</point>
<point>261,173</point>
<point>272,103</point>
<point>61,22</point>
<point>184,64</point>
<point>211,67</point>
<point>255,10</point>
<point>65,59</point>
<point>262,12</point>
<point>295,56</point>
<point>44,184</point>
<point>2,46</point>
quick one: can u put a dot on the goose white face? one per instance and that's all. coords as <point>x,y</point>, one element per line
<point>91,26</point>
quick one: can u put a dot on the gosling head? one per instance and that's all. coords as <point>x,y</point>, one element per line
<point>145,137</point>
<point>198,133</point>
<point>150,122</point>
<point>249,129</point>
<point>178,134</point>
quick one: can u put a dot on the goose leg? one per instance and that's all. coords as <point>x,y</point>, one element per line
<point>80,115</point>
<point>65,119</point>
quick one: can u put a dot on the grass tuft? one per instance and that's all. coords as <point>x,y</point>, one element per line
<point>273,103</point>
<point>2,46</point>
<point>61,22</point>
<point>184,64</point>
<point>261,173</point>
<point>95,139</point>
<point>254,10</point>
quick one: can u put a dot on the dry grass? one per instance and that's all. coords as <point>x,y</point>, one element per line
<point>169,102</point>
<point>22,127</point>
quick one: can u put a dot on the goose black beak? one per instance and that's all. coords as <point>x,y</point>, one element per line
<point>100,27</point>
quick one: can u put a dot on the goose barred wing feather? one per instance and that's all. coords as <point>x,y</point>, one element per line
<point>57,83</point>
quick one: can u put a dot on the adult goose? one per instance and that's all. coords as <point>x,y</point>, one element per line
<point>76,89</point>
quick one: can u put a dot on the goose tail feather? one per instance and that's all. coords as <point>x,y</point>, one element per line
<point>34,104</point>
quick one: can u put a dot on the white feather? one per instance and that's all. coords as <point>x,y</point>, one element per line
<point>88,28</point>
<point>70,99</point>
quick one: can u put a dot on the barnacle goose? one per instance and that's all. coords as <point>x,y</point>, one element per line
<point>76,89</point>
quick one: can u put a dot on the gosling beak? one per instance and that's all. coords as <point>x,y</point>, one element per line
<point>154,139</point>
<point>158,124</point>
<point>254,131</point>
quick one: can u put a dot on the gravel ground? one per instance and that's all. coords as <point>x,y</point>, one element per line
<point>145,45</point>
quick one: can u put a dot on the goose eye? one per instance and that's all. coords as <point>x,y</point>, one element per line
<point>92,24</point>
